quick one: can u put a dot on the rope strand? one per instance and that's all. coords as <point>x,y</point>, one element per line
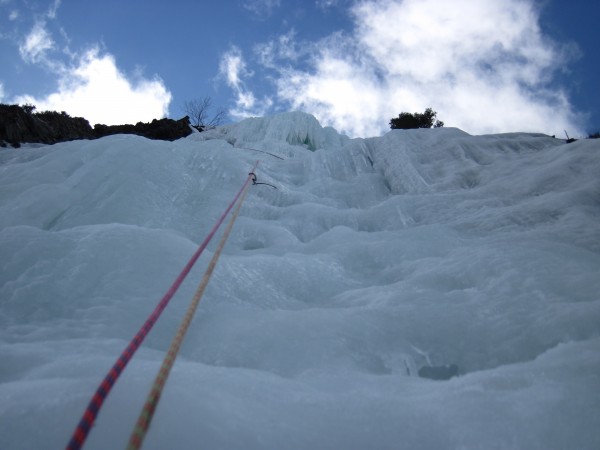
<point>143,423</point>
<point>93,408</point>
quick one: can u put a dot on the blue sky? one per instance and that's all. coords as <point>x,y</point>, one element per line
<point>484,65</point>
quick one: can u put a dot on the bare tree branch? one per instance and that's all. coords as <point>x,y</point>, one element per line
<point>197,110</point>
<point>218,118</point>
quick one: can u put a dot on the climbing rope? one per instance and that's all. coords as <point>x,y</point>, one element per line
<point>145,417</point>
<point>91,412</point>
<point>262,151</point>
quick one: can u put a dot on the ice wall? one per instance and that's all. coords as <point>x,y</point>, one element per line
<point>373,259</point>
<point>293,128</point>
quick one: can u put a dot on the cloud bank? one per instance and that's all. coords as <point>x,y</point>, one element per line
<point>97,90</point>
<point>89,84</point>
<point>484,66</point>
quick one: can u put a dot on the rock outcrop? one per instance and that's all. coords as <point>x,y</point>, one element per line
<point>20,124</point>
<point>162,129</point>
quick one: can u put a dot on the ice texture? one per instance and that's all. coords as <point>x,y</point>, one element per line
<point>373,259</point>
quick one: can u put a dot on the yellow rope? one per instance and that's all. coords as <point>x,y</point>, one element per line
<point>143,422</point>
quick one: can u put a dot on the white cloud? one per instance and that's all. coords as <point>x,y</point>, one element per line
<point>283,48</point>
<point>53,9</point>
<point>484,66</point>
<point>36,44</point>
<point>233,69</point>
<point>1,92</point>
<point>324,4</point>
<point>338,93</point>
<point>89,85</point>
<point>262,8</point>
<point>97,90</point>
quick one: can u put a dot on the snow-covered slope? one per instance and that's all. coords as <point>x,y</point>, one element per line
<point>373,259</point>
